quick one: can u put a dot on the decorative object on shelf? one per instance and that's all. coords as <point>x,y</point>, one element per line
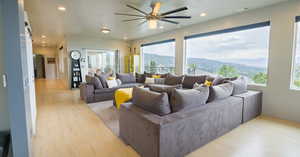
<point>76,78</point>
<point>154,16</point>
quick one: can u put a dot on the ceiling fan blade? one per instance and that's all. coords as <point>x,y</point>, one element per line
<point>142,23</point>
<point>155,8</point>
<point>133,19</point>
<point>174,11</point>
<point>132,7</point>
<point>169,21</point>
<point>176,17</point>
<point>125,14</point>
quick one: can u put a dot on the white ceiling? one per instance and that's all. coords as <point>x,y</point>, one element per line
<point>86,17</point>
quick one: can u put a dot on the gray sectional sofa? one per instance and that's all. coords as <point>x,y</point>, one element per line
<point>162,132</point>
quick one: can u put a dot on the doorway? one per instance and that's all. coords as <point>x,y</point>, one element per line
<point>39,66</point>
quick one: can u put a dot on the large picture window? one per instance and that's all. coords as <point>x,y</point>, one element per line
<point>296,68</point>
<point>240,51</point>
<point>159,57</point>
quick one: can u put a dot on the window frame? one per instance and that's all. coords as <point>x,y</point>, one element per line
<point>156,43</point>
<point>231,30</point>
<point>295,40</point>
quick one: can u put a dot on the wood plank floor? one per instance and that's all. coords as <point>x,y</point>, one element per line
<point>66,127</point>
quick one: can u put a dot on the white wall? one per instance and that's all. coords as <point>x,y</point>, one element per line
<point>94,43</point>
<point>4,117</point>
<point>278,100</point>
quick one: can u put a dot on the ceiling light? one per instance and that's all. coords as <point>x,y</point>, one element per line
<point>43,36</point>
<point>161,27</point>
<point>203,14</point>
<point>61,8</point>
<point>105,30</point>
<point>242,9</point>
<point>125,38</point>
<point>152,23</point>
<point>43,42</point>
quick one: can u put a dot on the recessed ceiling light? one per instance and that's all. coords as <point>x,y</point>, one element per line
<point>43,42</point>
<point>161,27</point>
<point>43,36</point>
<point>203,14</point>
<point>125,37</point>
<point>61,8</point>
<point>105,30</point>
<point>242,9</point>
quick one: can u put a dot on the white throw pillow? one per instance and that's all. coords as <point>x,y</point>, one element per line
<point>119,82</point>
<point>112,83</point>
<point>149,80</point>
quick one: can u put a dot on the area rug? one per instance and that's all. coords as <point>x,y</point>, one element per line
<point>108,114</point>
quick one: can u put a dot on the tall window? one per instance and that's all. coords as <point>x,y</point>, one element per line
<point>296,68</point>
<point>240,51</point>
<point>106,61</point>
<point>159,57</point>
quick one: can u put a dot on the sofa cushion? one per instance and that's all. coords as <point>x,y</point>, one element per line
<point>130,85</point>
<point>126,78</point>
<point>188,98</point>
<point>173,79</point>
<point>239,86</point>
<point>154,102</point>
<point>164,88</point>
<point>189,81</point>
<point>220,91</point>
<point>159,80</point>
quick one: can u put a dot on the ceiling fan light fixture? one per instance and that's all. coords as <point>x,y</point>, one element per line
<point>152,23</point>
<point>105,30</point>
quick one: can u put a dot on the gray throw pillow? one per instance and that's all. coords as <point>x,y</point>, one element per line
<point>173,79</point>
<point>154,102</point>
<point>188,98</point>
<point>103,78</point>
<point>140,78</point>
<point>239,86</point>
<point>126,78</point>
<point>189,81</point>
<point>97,83</point>
<point>221,91</point>
<point>159,80</point>
<point>219,80</point>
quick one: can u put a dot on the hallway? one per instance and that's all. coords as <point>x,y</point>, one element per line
<point>68,128</point>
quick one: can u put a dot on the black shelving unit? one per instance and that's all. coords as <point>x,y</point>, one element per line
<point>76,78</point>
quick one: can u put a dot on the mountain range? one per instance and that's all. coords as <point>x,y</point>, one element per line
<point>211,66</point>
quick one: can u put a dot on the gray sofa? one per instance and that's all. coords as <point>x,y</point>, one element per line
<point>91,92</point>
<point>179,133</point>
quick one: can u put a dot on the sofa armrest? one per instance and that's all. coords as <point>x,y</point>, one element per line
<point>252,104</point>
<point>87,92</point>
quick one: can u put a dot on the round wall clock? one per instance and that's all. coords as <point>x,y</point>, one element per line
<point>75,54</point>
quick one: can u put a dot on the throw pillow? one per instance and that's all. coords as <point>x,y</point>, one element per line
<point>239,85</point>
<point>119,82</point>
<point>103,79</point>
<point>208,83</point>
<point>155,76</point>
<point>111,78</point>
<point>189,98</point>
<point>189,81</point>
<point>149,80</point>
<point>154,102</point>
<point>140,78</point>
<point>173,79</point>
<point>97,83</point>
<point>112,83</point>
<point>159,80</point>
<point>219,80</point>
<point>220,91</point>
<point>126,78</point>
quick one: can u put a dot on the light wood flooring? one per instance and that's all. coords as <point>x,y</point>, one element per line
<point>66,127</point>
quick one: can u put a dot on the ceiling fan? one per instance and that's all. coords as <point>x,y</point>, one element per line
<point>154,16</point>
